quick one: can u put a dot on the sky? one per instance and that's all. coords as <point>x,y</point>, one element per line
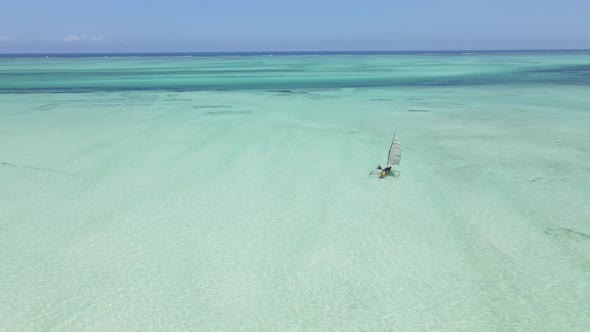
<point>46,26</point>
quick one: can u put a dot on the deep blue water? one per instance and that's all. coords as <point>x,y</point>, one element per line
<point>53,73</point>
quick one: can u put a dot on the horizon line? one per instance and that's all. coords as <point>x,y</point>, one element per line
<point>304,51</point>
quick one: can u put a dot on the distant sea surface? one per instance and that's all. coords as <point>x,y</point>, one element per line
<point>303,70</point>
<point>230,191</point>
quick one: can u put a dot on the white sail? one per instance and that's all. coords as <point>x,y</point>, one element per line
<point>395,152</point>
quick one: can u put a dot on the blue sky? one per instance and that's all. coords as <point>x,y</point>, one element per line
<point>289,25</point>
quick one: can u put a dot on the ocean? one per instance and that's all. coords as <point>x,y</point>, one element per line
<point>230,192</point>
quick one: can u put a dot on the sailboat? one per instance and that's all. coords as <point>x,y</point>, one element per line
<point>393,158</point>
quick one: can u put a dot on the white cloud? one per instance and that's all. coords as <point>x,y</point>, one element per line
<point>77,38</point>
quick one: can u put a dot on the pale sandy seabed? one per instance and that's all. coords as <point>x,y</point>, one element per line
<point>251,209</point>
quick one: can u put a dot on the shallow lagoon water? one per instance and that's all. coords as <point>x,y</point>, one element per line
<point>231,193</point>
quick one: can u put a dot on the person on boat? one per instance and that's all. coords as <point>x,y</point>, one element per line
<point>384,171</point>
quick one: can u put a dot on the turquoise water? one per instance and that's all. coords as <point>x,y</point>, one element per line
<point>231,193</point>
